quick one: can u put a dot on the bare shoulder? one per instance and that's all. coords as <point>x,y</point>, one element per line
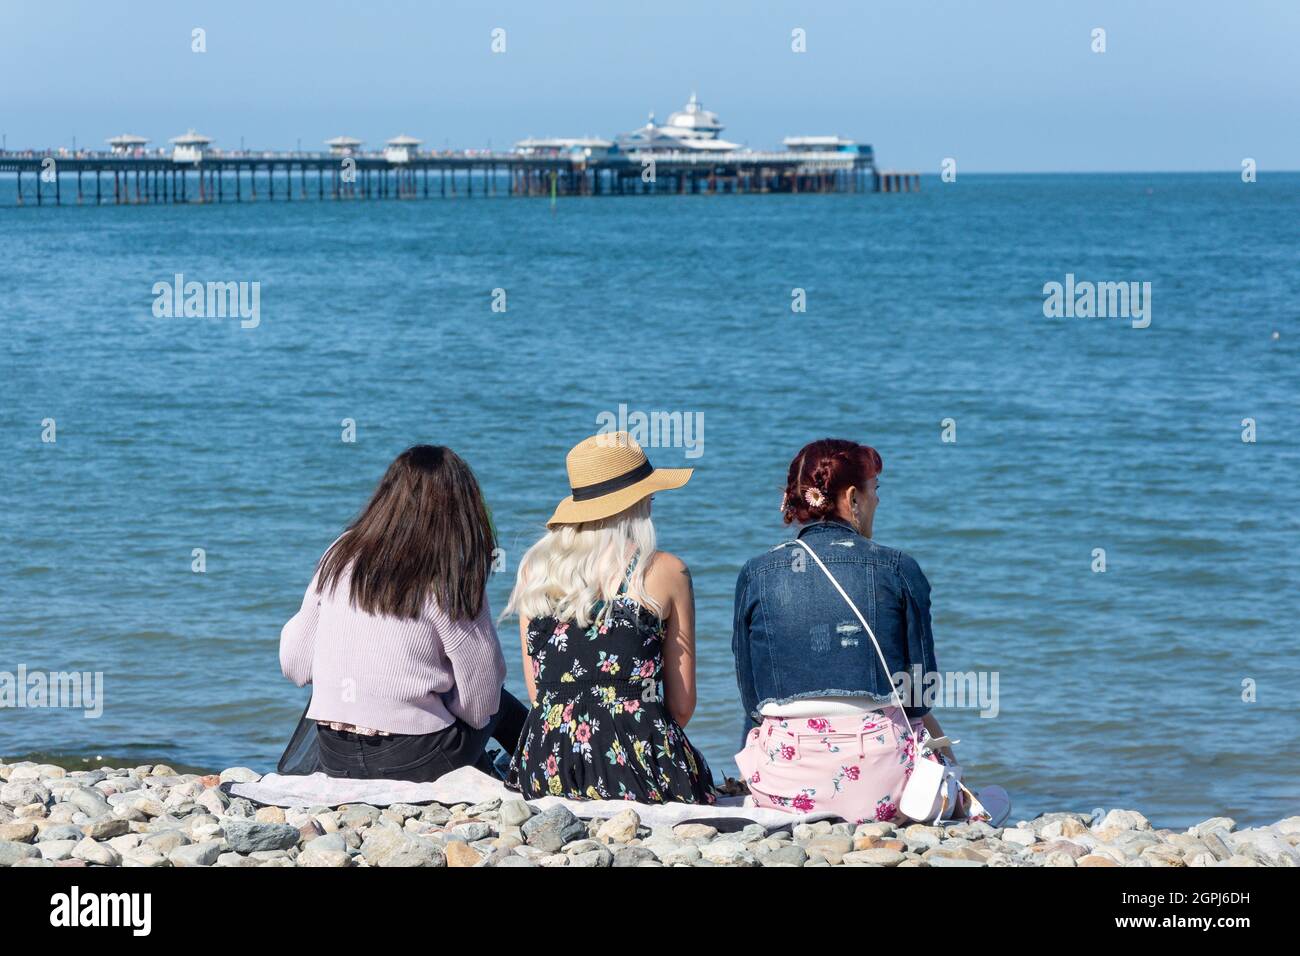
<point>667,567</point>
<point>668,579</point>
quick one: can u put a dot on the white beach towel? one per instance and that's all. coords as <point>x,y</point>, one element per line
<point>468,785</point>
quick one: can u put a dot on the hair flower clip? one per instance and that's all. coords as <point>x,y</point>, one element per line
<point>814,497</point>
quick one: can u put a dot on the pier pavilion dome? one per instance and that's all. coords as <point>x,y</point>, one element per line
<point>190,147</point>
<point>694,120</point>
<point>126,144</point>
<point>691,129</point>
<point>401,148</point>
<point>343,145</point>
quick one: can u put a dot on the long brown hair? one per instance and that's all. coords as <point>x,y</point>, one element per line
<point>424,534</point>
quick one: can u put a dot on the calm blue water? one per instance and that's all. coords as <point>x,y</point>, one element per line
<point>1116,689</point>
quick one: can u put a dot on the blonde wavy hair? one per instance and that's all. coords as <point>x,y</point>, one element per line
<point>575,566</point>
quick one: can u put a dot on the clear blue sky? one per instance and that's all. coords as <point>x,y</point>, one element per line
<point>1000,86</point>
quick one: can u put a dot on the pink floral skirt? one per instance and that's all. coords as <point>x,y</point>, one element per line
<point>854,767</point>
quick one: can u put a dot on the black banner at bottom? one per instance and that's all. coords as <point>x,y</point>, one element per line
<point>333,906</point>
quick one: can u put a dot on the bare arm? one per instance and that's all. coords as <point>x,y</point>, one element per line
<point>672,586</point>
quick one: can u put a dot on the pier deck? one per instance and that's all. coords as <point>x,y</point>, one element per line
<point>116,179</point>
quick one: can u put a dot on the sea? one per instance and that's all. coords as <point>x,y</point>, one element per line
<point>1107,506</point>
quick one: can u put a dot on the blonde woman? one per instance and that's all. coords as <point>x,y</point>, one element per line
<point>604,620</point>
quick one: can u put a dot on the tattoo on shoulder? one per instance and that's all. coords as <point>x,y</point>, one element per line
<point>690,582</point>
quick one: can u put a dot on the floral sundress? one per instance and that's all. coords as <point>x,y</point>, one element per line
<point>600,729</point>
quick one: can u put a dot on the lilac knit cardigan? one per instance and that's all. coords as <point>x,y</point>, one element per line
<point>402,676</point>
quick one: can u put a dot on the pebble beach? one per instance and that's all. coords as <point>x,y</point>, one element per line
<point>150,815</point>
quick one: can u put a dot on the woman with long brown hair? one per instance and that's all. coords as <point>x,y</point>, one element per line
<point>395,634</point>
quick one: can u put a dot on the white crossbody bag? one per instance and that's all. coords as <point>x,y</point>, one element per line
<point>930,793</point>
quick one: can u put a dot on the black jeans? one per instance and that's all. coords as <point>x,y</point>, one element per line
<point>422,757</point>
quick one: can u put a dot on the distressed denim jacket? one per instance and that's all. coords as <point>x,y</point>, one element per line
<point>795,637</point>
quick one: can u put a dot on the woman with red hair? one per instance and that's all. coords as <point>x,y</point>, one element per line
<point>822,731</point>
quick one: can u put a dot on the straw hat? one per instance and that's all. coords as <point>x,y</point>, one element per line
<point>609,473</point>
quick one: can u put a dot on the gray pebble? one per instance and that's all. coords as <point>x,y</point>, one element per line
<point>99,853</point>
<point>789,855</point>
<point>551,830</point>
<point>246,836</point>
<point>514,813</point>
<point>470,832</point>
<point>57,849</point>
<point>597,857</point>
<point>633,856</point>
<point>64,831</point>
<point>196,854</point>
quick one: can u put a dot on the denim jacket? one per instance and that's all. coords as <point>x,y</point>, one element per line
<point>795,637</point>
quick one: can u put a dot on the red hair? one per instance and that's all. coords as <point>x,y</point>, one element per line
<point>820,473</point>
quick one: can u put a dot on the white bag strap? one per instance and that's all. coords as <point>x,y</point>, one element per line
<point>874,643</point>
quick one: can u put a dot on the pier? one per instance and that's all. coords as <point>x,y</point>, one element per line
<point>113,178</point>
<point>893,181</point>
<point>684,156</point>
